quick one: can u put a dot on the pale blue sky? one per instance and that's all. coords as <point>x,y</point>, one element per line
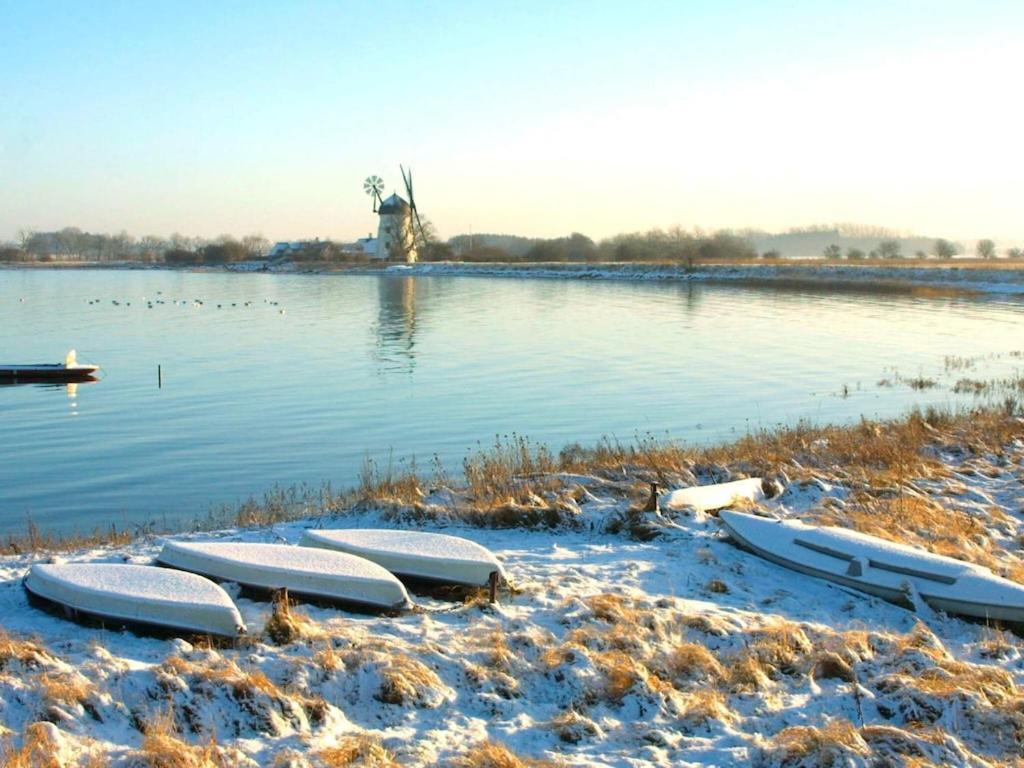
<point>533,118</point>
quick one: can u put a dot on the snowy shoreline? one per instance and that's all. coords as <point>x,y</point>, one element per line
<point>809,276</point>
<point>630,640</point>
<point>896,278</point>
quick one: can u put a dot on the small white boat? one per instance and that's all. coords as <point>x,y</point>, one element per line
<point>69,370</point>
<point>879,567</point>
<point>707,498</point>
<point>137,594</point>
<point>313,573</point>
<point>414,554</point>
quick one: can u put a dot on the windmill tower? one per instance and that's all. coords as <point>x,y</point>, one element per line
<point>400,231</point>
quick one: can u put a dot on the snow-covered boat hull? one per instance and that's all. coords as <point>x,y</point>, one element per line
<point>433,557</point>
<point>879,567</point>
<point>318,574</point>
<point>707,498</point>
<point>138,595</point>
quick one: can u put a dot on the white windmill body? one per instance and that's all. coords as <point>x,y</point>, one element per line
<point>395,237</point>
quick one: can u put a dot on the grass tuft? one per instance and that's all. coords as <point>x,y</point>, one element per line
<point>491,754</point>
<point>285,625</point>
<point>358,750</point>
<point>834,744</point>
<point>405,680</point>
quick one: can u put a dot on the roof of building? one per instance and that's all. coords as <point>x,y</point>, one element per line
<point>393,204</point>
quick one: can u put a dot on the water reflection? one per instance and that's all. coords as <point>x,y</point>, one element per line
<point>396,323</point>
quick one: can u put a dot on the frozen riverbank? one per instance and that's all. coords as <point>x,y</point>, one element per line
<point>631,639</point>
<point>909,277</point>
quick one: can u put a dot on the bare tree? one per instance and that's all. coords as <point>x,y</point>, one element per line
<point>944,249</point>
<point>889,249</point>
<point>257,246</point>
<point>832,252</point>
<point>985,249</point>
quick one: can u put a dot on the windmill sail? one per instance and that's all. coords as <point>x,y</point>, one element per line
<point>418,224</point>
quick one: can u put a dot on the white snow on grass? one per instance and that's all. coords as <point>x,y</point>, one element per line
<point>683,650</point>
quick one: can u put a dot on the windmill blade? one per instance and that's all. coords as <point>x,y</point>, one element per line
<point>418,227</point>
<point>407,180</point>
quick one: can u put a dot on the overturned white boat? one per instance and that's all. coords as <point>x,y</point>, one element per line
<point>137,594</point>
<point>415,554</point>
<point>707,498</point>
<point>31,373</point>
<point>879,567</point>
<point>318,574</point>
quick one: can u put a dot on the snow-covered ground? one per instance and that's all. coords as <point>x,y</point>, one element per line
<point>609,651</point>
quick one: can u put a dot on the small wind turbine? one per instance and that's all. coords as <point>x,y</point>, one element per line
<point>373,186</point>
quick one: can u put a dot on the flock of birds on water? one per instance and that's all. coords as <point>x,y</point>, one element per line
<point>198,303</point>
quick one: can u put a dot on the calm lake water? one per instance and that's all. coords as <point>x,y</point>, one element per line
<point>289,379</point>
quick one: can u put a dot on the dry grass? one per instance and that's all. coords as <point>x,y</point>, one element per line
<point>747,673</point>
<point>571,727</point>
<point>614,609</point>
<point>781,646</point>
<point>161,748</point>
<point>830,745</point>
<point>65,689</point>
<point>328,659</point>
<point>707,704</point>
<point>277,505</point>
<point>358,750</point>
<point>693,662</point>
<point>717,586</point>
<point>387,484</point>
<point>35,540</point>
<point>28,653</point>
<point>407,680</point>
<point>622,673</point>
<point>491,754</point>
<point>285,625</point>
<point>918,521</point>
<point>37,749</point>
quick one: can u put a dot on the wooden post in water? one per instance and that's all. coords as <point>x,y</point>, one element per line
<point>159,377</point>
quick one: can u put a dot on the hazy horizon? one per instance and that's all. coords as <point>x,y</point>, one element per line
<point>534,120</point>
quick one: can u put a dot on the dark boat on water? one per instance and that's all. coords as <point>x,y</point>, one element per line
<point>68,371</point>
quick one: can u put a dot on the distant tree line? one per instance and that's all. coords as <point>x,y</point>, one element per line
<point>890,248</point>
<point>674,245</point>
<point>72,244</point>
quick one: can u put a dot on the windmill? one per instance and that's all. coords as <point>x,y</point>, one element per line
<point>400,231</point>
<point>373,186</point>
